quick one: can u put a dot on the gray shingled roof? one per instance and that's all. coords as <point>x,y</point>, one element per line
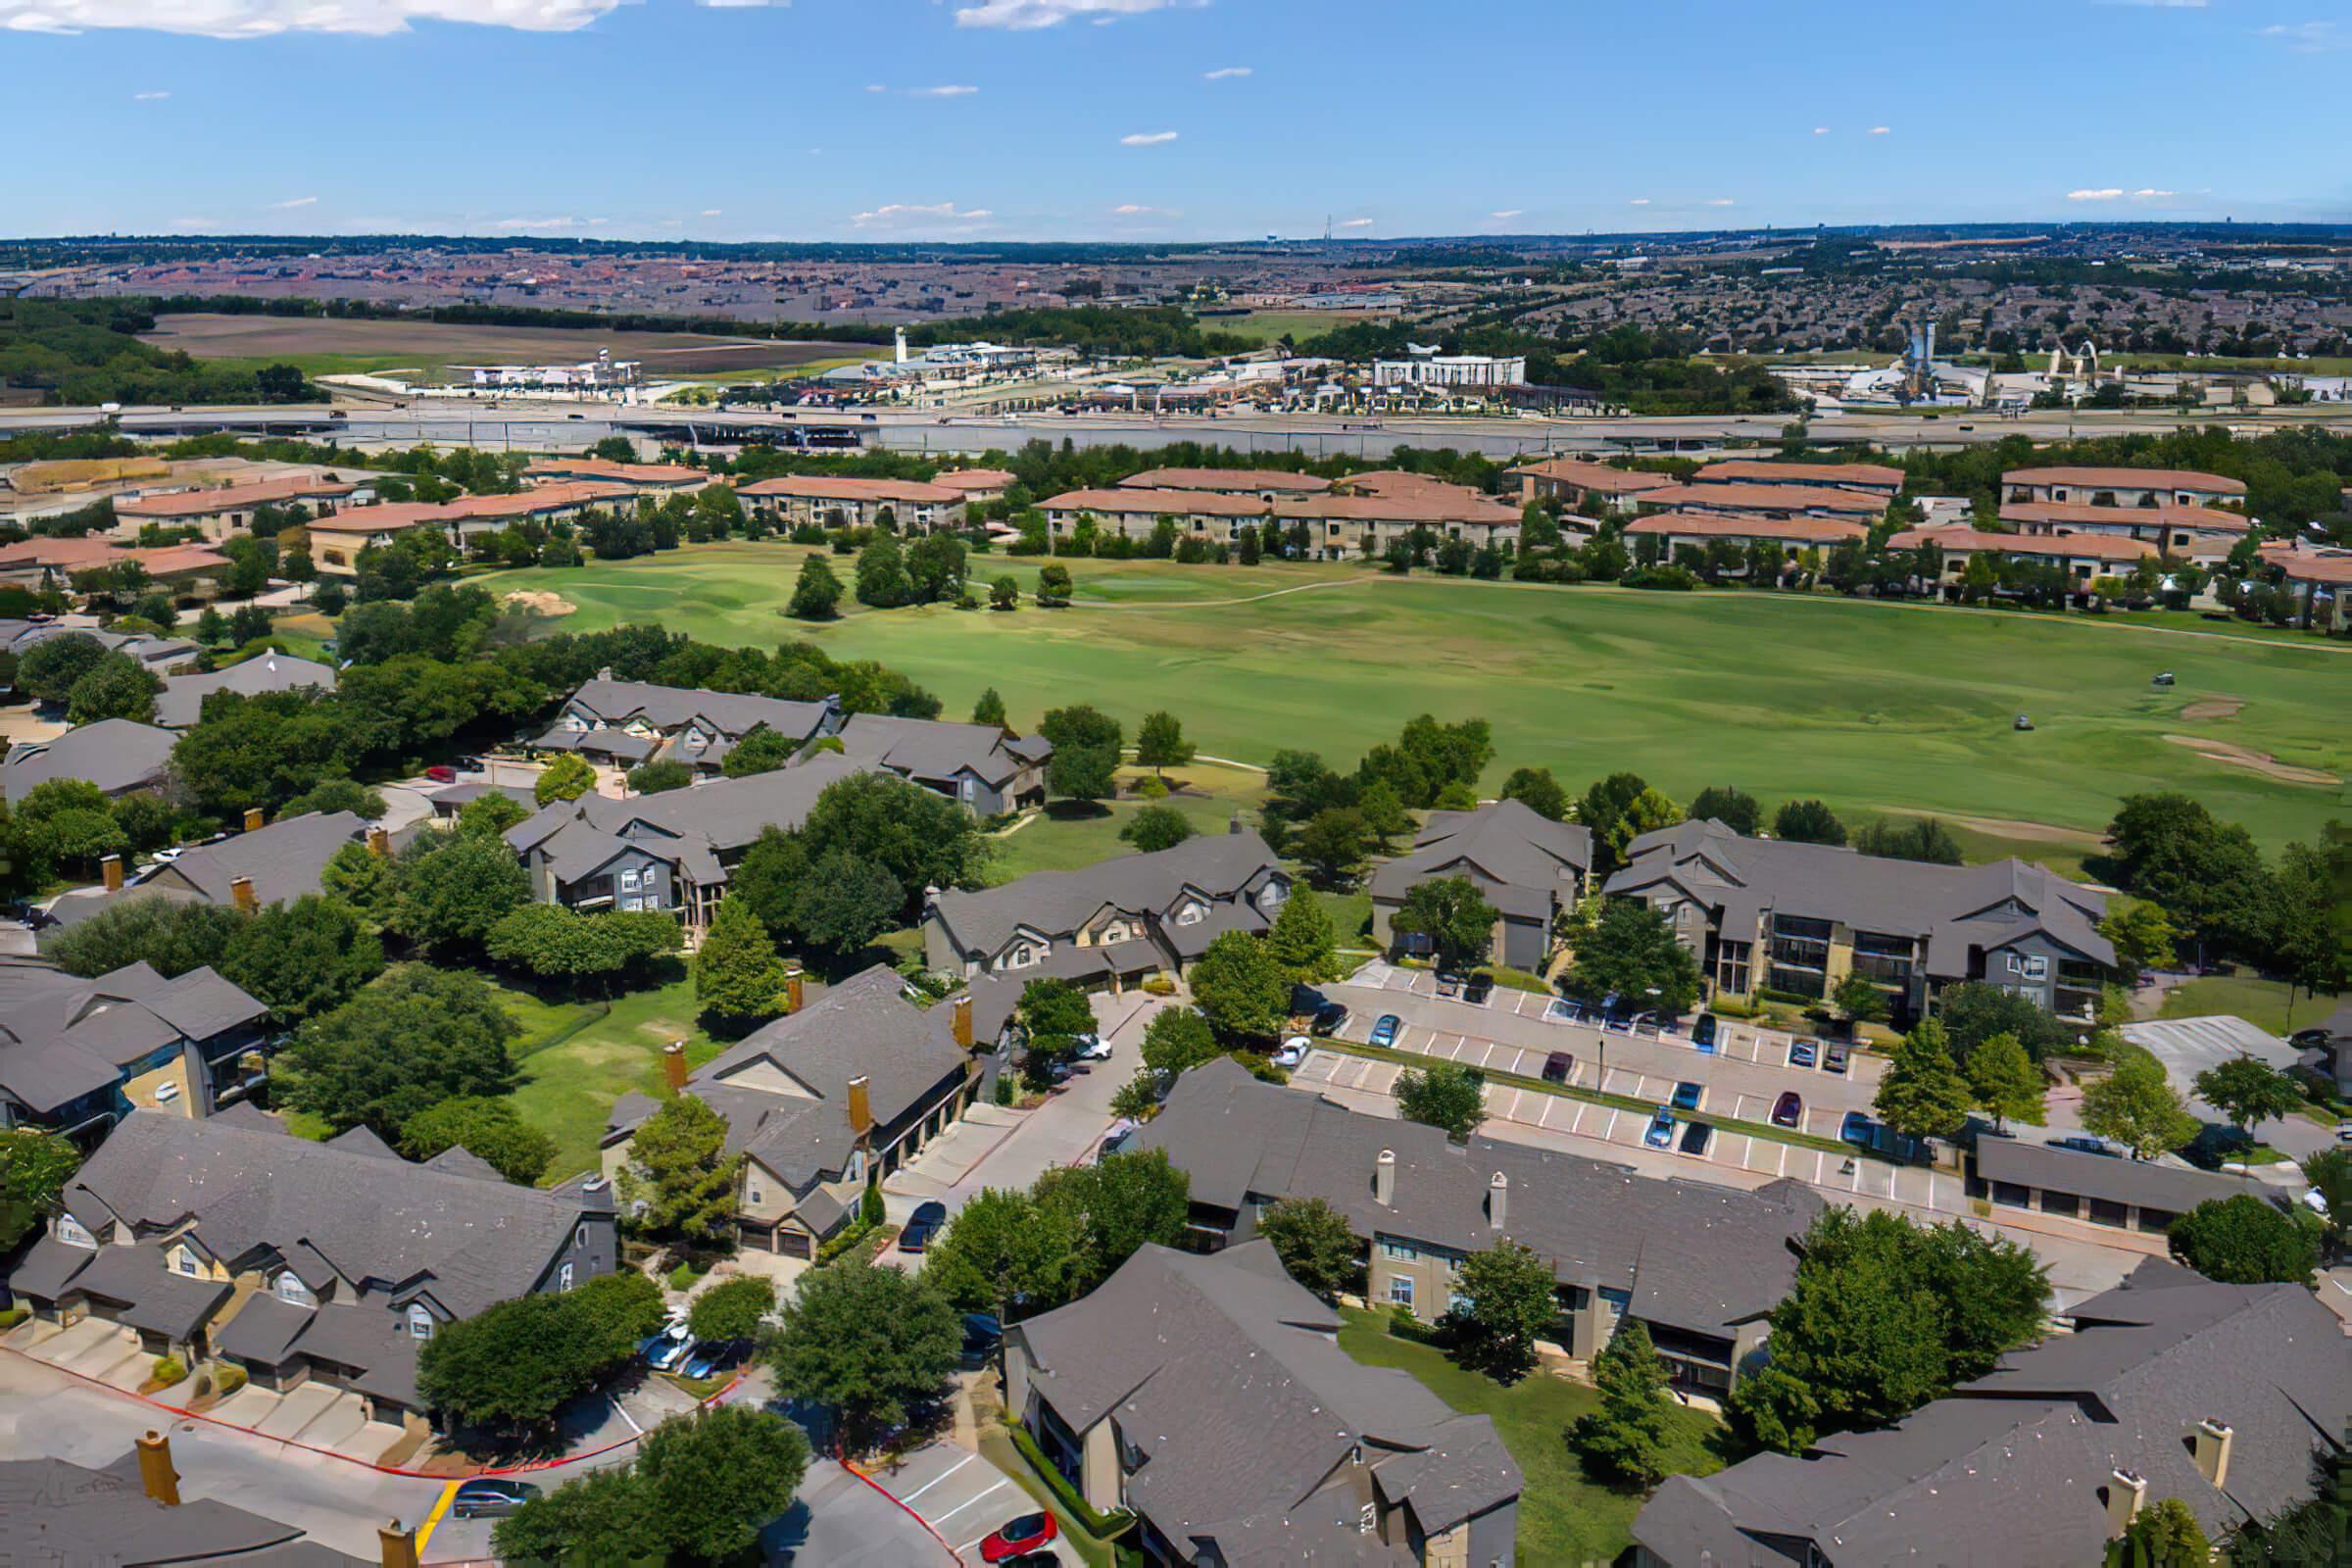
<point>61,1037</point>
<point>672,708</point>
<point>1057,902</point>
<point>694,826</point>
<point>2173,1188</point>
<point>1506,848</point>
<point>1694,1255</point>
<point>1229,1378</point>
<point>284,859</point>
<point>180,703</point>
<point>113,754</point>
<point>56,1514</point>
<point>928,750</point>
<point>2008,1469</point>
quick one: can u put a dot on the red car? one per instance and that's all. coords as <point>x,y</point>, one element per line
<point>1014,1536</point>
<point>441,773</point>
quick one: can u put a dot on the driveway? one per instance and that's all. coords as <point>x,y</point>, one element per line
<point>839,1521</point>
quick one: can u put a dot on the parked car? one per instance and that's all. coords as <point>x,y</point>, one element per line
<point>1661,1129</point>
<point>712,1355</point>
<point>1092,1047</point>
<point>982,1335</point>
<point>1329,1017</point>
<point>1686,1095</point>
<point>1695,1135</point>
<point>1450,985</point>
<point>671,1347</point>
<point>2343,1132</point>
<point>1833,1058</point>
<point>1702,1033</point>
<point>2301,1039</point>
<point>1857,1129</point>
<point>1384,1033</point>
<point>1028,1532</point>
<point>491,1498</point>
<point>1788,1110</point>
<point>442,774</point>
<point>1803,1052</point>
<point>1478,987</point>
<point>1293,1051</point>
<point>929,1218</point>
<point>2085,1144</point>
<point>1559,1068</point>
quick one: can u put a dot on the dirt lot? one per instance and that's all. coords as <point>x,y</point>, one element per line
<point>385,343</point>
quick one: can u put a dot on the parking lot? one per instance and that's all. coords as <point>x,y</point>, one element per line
<point>961,1495</point>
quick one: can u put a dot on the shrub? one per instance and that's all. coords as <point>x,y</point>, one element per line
<point>168,1369</point>
<point>682,1277</point>
<point>228,1379</point>
<point>1158,985</point>
<point>12,1317</point>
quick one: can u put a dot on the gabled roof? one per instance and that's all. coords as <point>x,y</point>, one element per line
<point>708,819</point>
<point>113,754</point>
<point>61,1037</point>
<point>619,703</point>
<point>1768,499</point>
<point>1229,1379</point>
<point>1742,470</point>
<point>2129,479</point>
<point>180,704</point>
<point>831,487</point>
<point>233,498</point>
<point>1231,481</point>
<point>927,749</point>
<point>284,859</point>
<point>1598,477</point>
<point>2066,545</point>
<point>2075,514</point>
<point>1128,500</point>
<point>1508,848</point>
<point>1055,903</point>
<point>57,1514</point>
<point>1802,530</point>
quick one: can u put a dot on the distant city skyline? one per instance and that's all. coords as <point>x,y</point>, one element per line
<point>1164,120</point>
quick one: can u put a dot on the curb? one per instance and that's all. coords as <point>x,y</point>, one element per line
<point>953,1555</point>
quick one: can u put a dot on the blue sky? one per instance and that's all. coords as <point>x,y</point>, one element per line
<point>1163,119</point>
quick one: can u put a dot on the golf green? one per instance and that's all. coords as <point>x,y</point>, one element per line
<point>1870,706</point>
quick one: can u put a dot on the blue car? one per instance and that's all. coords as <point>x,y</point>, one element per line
<point>712,1355</point>
<point>1858,1129</point>
<point>1800,1052</point>
<point>1686,1097</point>
<point>1661,1130</point>
<point>1384,1033</point>
<point>1703,1034</point>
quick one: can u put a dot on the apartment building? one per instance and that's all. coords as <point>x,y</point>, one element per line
<point>1699,1265</point>
<point>2122,487</point>
<point>336,541</point>
<point>263,865</point>
<point>2229,1397</point>
<point>1528,867</point>
<point>1871,478</point>
<point>1134,513</point>
<point>1797,919</point>
<point>976,484</point>
<point>119,756</point>
<point>654,479</point>
<point>977,765</point>
<point>180,704</point>
<point>2320,576</point>
<point>79,1056</point>
<point>622,724</point>
<point>2203,534</point>
<point>1362,522</point>
<point>1210,1397</point>
<point>1766,501</point>
<point>2083,557</point>
<point>824,501</point>
<point>216,514</point>
<point>1267,484</point>
<point>1696,530</point>
<point>1589,486</point>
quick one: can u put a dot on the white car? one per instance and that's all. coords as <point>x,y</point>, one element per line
<point>1293,1051</point>
<point>1092,1047</point>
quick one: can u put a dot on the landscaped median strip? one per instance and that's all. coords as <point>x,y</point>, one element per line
<point>1596,1097</point>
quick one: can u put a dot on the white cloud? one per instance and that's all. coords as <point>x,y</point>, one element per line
<point>1027,16</point>
<point>289,206</point>
<point>1881,130</point>
<point>1148,138</point>
<point>941,92</point>
<point>517,225</point>
<point>709,212</point>
<point>876,86</point>
<point>1720,201</point>
<point>2110,193</point>
<point>1139,209</point>
<point>1507,212</point>
<point>1356,223</point>
<point>1821,131</point>
<point>905,215</point>
<point>2152,194</point>
<point>1225,72</point>
<point>1638,201</point>
<point>262,18</point>
<point>148,97</point>
<point>2307,37</point>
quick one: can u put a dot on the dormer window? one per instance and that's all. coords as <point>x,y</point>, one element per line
<point>421,1323</point>
<point>292,1291</point>
<point>185,1262</point>
<point>73,1233</point>
<point>1192,913</point>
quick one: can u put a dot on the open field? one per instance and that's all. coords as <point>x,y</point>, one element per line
<point>1265,326</point>
<point>321,346</point>
<point>578,1057</point>
<point>1873,707</point>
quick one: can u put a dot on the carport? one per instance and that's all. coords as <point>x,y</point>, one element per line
<point>2187,1046</point>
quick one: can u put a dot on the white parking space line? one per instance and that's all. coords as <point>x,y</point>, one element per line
<point>1459,1040</point>
<point>937,1479</point>
<point>1612,1126</point>
<point>1932,1190</point>
<point>1817,1159</point>
<point>1550,1102</point>
<point>1513,1113</point>
<point>1782,1170</point>
<point>1577,1124</point>
<point>972,1503</point>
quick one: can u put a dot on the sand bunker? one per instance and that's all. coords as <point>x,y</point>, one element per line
<point>2205,708</point>
<point>541,603</point>
<point>2252,762</point>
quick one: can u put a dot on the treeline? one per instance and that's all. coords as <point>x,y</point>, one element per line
<point>1647,371</point>
<point>88,351</point>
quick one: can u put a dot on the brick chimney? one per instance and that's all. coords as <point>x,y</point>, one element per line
<point>963,1021</point>
<point>2210,1446</point>
<point>796,993</point>
<point>110,867</point>
<point>380,843</point>
<point>253,818</point>
<point>674,1066</point>
<point>862,1106</point>
<point>240,892</point>
<point>1384,1179</point>
<point>155,1469</point>
<point>395,1548</point>
<point>2124,1493</point>
<point>1498,1191</point>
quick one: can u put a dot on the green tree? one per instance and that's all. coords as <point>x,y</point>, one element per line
<point>679,1180</point>
<point>1007,1255</point>
<point>646,778</point>
<point>1178,1039</point>
<point>1735,808</point>
<point>2164,1534</point>
<point>2250,1092</point>
<point>2207,875</point>
<point>1539,791</point>
<point>69,822</point>
<point>49,669</point>
<point>2005,1084</point>
<point>34,1167</point>
<point>816,596</point>
<point>170,936</point>
<point>1807,822</point>
<point>882,580</point>
<point>1860,998</point>
<point>845,903</point>
<point>2247,1241</point>
<point>873,1342</point>
<point>416,1037</point>
<point>1510,1289</point>
<point>1157,827</point>
<point>1331,843</point>
<point>2141,934</point>
<point>1117,1204</point>
<point>737,975</point>
<point>569,778</point>
<point>1975,1012</point>
<point>336,795</point>
<point>1159,743</point>
<point>1241,989</point>
<point>598,1516</point>
<point>1923,1095</point>
<point>1052,1014</point>
<point>118,686</point>
<point>511,1368</point>
<point>1383,815</point>
<point>718,1477</point>
<point>1630,952</point>
<point>2137,1106</point>
<point>1316,1246</point>
<point>303,957</point>
<point>1083,773</point>
<point>1625,1438</point>
<point>1451,917</point>
<point>450,894</point>
<point>760,751</point>
<point>1005,594</point>
<point>2329,1173</point>
<point>733,1309</point>
<point>1304,941</point>
<point>490,1130</point>
<point>1054,584</point>
<point>1444,1095</point>
<point>988,709</point>
<point>367,881</point>
<point>1082,726</point>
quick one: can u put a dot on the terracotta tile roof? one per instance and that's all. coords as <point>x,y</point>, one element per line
<point>1226,479</point>
<point>391,517</point>
<point>1442,503</point>
<point>605,468</point>
<point>2210,519</point>
<point>1749,471</point>
<point>1748,525</point>
<point>2302,564</point>
<point>2082,546</point>
<point>1768,498</point>
<point>233,498</point>
<point>173,561</point>
<point>967,480</point>
<point>71,554</point>
<point>1596,476</point>
<point>1172,502</point>
<point>2130,480</point>
<point>829,487</point>
<point>542,498</point>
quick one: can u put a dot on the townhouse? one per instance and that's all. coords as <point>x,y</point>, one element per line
<point>654,479</point>
<point>180,704</point>
<point>835,1095</point>
<point>1111,922</point>
<point>1766,501</point>
<point>1367,520</point>
<point>1528,867</point>
<point>2203,534</point>
<point>79,1056</point>
<point>2082,557</point>
<point>670,850</point>
<point>1209,1396</point>
<point>1869,478</point>
<point>187,570</point>
<point>1699,1265</point>
<point>119,756</point>
<point>1587,486</point>
<point>1696,530</point>
<point>263,865</point>
<point>2319,576</point>
<point>976,484</point>
<point>218,513</point>
<point>622,724</point>
<point>1134,511</point>
<point>1267,484</point>
<point>988,771</point>
<point>2048,1458</point>
<point>231,1238</point>
<point>336,541</point>
<point>824,501</point>
<point>160,655</point>
<point>2122,487</point>
<point>1797,919</point>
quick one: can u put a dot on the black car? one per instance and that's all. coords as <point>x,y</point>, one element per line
<point>1329,1017</point>
<point>982,1335</point>
<point>1695,1135</point>
<point>1558,1066</point>
<point>490,1498</point>
<point>1478,987</point>
<point>927,1221</point>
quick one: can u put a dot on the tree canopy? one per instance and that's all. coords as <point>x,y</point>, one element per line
<point>1452,917</point>
<point>877,1343</point>
<point>416,1037</point>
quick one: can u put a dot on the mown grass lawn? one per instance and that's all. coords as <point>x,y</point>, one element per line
<point>1872,707</point>
<point>578,1057</point>
<point>2270,1004</point>
<point>1565,1516</point>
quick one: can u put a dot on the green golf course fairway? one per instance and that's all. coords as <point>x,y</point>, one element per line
<point>1870,706</point>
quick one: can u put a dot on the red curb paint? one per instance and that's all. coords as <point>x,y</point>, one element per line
<point>953,1555</point>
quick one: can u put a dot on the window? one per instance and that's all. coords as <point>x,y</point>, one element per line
<point>1192,913</point>
<point>72,1233</point>
<point>633,902</point>
<point>628,879</point>
<point>579,1236</point>
<point>1397,1250</point>
<point>564,1278</point>
<point>183,1261</point>
<point>421,1322</point>
<point>1400,1289</point>
<point>292,1291</point>
<point>1617,1302</point>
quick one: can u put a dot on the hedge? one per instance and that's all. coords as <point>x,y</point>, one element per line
<point>1101,1525</point>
